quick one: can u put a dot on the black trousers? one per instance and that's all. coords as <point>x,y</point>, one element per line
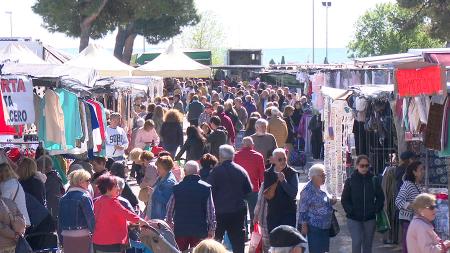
<point>193,122</point>
<point>233,223</point>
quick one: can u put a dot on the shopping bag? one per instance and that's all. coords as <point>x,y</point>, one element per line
<point>382,221</point>
<point>255,245</point>
<point>334,229</point>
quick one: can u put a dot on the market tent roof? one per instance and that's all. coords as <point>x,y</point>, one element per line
<point>101,60</point>
<point>55,56</point>
<point>154,85</point>
<point>85,76</point>
<point>17,53</point>
<point>173,63</point>
<point>373,91</point>
<point>388,59</point>
<point>336,94</point>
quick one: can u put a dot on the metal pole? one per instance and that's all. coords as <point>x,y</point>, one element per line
<point>313,24</point>
<point>10,22</point>
<point>326,35</point>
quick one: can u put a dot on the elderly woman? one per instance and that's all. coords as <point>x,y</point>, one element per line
<point>31,184</point>
<point>11,189</point>
<point>76,214</point>
<point>421,237</point>
<point>12,225</point>
<point>315,211</point>
<point>111,218</point>
<point>408,192</point>
<point>161,192</point>
<point>147,136</point>
<point>54,188</point>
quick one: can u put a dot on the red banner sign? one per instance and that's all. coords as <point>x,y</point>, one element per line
<point>420,81</point>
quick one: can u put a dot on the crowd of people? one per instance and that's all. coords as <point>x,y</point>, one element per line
<point>205,200</point>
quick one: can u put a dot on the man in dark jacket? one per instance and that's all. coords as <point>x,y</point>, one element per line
<point>195,108</point>
<point>282,208</point>
<point>362,199</point>
<point>54,188</point>
<point>190,210</point>
<point>230,186</point>
<point>218,137</point>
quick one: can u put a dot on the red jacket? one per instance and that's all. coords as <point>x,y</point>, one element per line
<point>228,124</point>
<point>111,221</point>
<point>253,162</point>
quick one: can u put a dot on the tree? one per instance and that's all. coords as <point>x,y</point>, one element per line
<point>156,20</point>
<point>272,62</point>
<point>436,11</point>
<point>207,34</point>
<point>282,60</point>
<point>382,30</point>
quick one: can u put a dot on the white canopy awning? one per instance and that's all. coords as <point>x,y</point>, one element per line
<point>17,53</point>
<point>173,63</point>
<point>102,61</point>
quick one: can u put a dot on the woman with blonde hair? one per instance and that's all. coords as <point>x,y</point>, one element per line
<point>421,237</point>
<point>172,131</point>
<point>76,214</point>
<point>158,118</point>
<point>210,246</point>
<point>31,184</point>
<point>10,188</point>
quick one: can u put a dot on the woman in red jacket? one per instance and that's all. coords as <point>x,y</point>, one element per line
<point>111,218</point>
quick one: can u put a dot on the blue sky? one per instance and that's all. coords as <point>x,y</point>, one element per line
<point>247,23</point>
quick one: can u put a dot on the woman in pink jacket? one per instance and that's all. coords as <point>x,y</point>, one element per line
<point>147,136</point>
<point>421,237</point>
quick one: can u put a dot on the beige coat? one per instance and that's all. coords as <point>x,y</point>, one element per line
<point>278,128</point>
<point>11,222</point>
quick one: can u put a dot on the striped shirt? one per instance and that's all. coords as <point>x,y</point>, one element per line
<point>408,192</point>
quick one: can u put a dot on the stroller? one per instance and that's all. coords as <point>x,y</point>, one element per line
<point>158,237</point>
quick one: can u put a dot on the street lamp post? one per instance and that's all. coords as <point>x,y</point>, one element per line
<point>10,22</point>
<point>326,4</point>
<point>313,24</point>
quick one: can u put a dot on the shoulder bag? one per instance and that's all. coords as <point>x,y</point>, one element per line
<point>22,245</point>
<point>382,220</point>
<point>334,229</point>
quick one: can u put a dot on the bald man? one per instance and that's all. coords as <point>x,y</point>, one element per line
<point>253,162</point>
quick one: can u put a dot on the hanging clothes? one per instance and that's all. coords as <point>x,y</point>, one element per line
<point>51,122</point>
<point>433,131</point>
<point>389,185</point>
<point>72,120</point>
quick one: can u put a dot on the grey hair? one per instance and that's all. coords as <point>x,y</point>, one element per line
<point>140,122</point>
<point>280,249</point>
<point>226,152</point>
<point>275,111</point>
<point>279,151</point>
<point>316,170</point>
<point>261,122</point>
<point>247,141</point>
<point>191,168</point>
<point>120,182</point>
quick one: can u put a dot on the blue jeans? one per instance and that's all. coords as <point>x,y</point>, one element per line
<point>362,233</point>
<point>318,240</point>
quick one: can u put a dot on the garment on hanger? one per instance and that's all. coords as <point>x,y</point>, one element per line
<point>51,126</point>
<point>72,120</point>
<point>389,186</point>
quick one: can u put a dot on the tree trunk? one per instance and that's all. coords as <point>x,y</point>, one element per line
<point>128,49</point>
<point>86,24</point>
<point>121,37</point>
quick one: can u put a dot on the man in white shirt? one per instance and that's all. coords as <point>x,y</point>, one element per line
<point>116,139</point>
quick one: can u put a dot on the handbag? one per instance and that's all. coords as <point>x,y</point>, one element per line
<point>255,245</point>
<point>335,228</point>
<point>269,193</point>
<point>381,218</point>
<point>22,246</point>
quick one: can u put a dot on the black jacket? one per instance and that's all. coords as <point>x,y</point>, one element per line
<point>36,188</point>
<point>291,130</point>
<point>172,133</point>
<point>194,148</point>
<point>217,138</point>
<point>362,197</point>
<point>54,190</point>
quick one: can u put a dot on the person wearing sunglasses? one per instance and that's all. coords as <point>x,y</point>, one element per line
<point>362,198</point>
<point>408,192</point>
<point>421,237</point>
<point>282,181</point>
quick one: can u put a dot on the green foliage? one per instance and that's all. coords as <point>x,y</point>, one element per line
<point>207,34</point>
<point>157,20</point>
<point>389,29</point>
<point>437,12</point>
<point>282,60</point>
<point>272,62</point>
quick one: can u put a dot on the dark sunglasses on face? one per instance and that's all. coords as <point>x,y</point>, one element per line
<point>432,207</point>
<point>364,165</point>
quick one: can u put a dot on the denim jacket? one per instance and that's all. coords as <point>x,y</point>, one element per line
<point>76,211</point>
<point>161,194</point>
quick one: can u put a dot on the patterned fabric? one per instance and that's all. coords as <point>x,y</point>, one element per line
<point>8,250</point>
<point>261,216</point>
<point>315,207</point>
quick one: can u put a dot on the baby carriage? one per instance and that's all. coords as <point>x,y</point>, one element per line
<point>158,237</point>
